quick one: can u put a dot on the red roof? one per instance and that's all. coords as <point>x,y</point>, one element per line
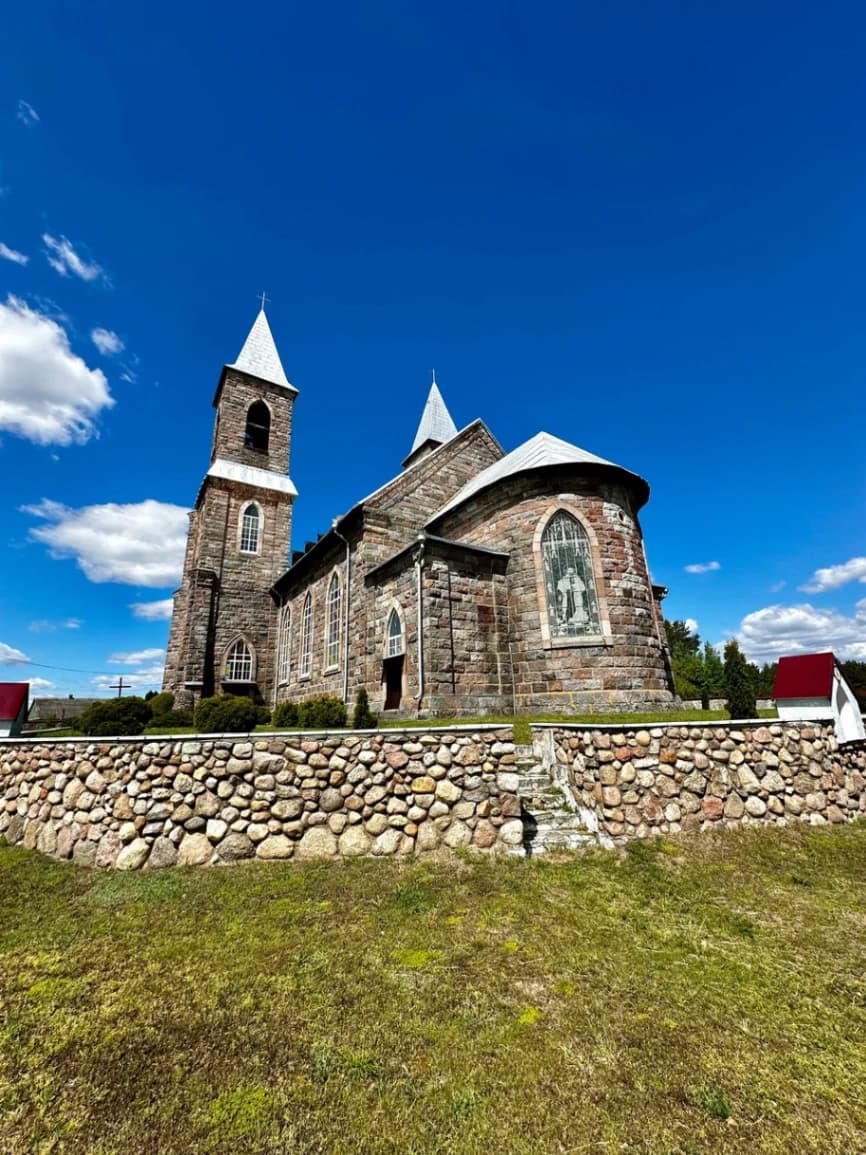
<point>13,695</point>
<point>806,676</point>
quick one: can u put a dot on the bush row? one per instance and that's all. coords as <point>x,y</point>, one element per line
<point>223,714</point>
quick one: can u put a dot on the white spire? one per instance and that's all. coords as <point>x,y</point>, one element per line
<point>436,424</point>
<point>259,355</point>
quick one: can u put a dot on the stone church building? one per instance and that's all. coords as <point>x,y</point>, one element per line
<point>473,582</point>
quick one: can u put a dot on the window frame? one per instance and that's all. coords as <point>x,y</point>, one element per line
<point>333,622</point>
<point>284,657</point>
<point>550,640</point>
<point>305,653</point>
<point>395,612</point>
<point>250,661</point>
<point>260,526</point>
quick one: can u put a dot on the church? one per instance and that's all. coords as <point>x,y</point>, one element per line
<point>474,582</point>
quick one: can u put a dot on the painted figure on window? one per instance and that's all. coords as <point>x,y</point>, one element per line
<point>572,604</point>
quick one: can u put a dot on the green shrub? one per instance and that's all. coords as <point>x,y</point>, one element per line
<point>114,717</point>
<point>161,703</point>
<point>322,713</point>
<point>170,720</point>
<point>739,683</point>
<point>225,714</point>
<point>364,718</point>
<point>285,716</point>
<point>263,714</point>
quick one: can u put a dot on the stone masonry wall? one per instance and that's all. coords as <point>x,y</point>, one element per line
<point>131,803</point>
<point>666,779</point>
<point>628,671</point>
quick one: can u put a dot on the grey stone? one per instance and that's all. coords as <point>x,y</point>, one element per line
<point>163,853</point>
<point>133,856</point>
<point>318,842</point>
<point>194,850</point>
<point>235,846</point>
<point>275,846</point>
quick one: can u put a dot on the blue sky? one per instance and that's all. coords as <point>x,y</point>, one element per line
<point>637,226</point>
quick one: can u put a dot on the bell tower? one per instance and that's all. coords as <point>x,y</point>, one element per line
<point>223,628</point>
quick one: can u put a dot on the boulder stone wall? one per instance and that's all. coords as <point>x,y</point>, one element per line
<point>133,803</point>
<point>665,779</point>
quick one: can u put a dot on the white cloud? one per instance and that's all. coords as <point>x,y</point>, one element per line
<point>153,611</point>
<point>702,567</point>
<point>777,587</point>
<point>149,678</point>
<point>47,393</point>
<point>9,656</point>
<point>62,256</point>
<point>46,626</point>
<point>138,545</point>
<point>12,255</point>
<point>783,630</point>
<point>40,684</point>
<point>136,658</point>
<point>691,625</point>
<point>106,341</point>
<point>27,114</point>
<point>833,576</point>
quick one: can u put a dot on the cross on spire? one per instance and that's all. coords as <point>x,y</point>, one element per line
<point>263,298</point>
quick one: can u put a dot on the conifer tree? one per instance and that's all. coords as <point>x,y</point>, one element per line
<point>739,682</point>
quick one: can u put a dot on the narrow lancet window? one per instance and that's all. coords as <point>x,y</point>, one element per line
<point>285,643</point>
<point>334,619</point>
<point>395,644</point>
<point>306,661</point>
<point>239,663</point>
<point>569,582</point>
<point>258,430</point>
<point>250,529</point>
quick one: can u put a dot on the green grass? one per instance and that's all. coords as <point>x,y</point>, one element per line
<point>521,724</point>
<point>703,995</point>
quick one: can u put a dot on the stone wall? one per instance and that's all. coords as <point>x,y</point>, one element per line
<point>667,779</point>
<point>627,671</point>
<point>132,803</point>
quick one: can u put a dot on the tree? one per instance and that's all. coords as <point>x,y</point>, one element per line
<point>739,682</point>
<point>363,718</point>
<point>712,676</point>
<point>684,649</point>
<point>115,717</point>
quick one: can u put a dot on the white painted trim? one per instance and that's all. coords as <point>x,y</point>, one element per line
<point>251,475</point>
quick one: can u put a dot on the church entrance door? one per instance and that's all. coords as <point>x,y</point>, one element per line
<point>392,676</point>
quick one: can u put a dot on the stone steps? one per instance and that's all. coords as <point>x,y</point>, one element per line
<point>551,822</point>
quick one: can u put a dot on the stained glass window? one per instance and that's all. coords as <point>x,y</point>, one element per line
<point>395,635</point>
<point>306,638</point>
<point>285,643</point>
<point>572,603</point>
<point>250,529</point>
<point>334,615</point>
<point>239,663</point>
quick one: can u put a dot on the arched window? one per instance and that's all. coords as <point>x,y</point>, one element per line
<point>258,430</point>
<point>306,661</point>
<point>569,582</point>
<point>285,643</point>
<point>333,611</point>
<point>251,521</point>
<point>239,662</point>
<point>394,643</point>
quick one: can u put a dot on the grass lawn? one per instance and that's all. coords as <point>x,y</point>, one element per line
<point>521,724</point>
<point>703,995</point>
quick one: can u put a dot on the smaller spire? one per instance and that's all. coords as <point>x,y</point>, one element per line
<point>436,423</point>
<point>259,355</point>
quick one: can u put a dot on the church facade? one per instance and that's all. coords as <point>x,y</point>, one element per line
<point>474,582</point>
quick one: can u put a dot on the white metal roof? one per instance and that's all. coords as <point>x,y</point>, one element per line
<point>250,475</point>
<point>436,423</point>
<point>542,449</point>
<point>259,355</point>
